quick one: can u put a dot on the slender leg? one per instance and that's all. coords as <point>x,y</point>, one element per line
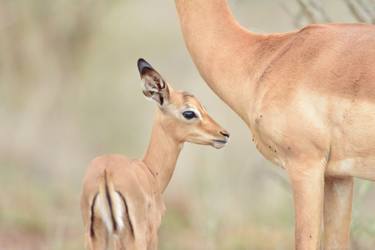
<point>308,189</point>
<point>338,194</point>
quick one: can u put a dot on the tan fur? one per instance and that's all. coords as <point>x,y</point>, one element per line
<point>308,97</point>
<point>142,182</point>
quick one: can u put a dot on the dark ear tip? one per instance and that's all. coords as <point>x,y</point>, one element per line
<point>142,65</point>
<point>140,60</point>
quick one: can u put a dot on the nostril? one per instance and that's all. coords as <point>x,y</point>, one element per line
<point>224,133</point>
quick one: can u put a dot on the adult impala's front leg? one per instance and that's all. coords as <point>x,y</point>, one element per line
<point>307,179</point>
<point>338,194</point>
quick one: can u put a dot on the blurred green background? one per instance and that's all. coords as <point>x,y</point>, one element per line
<point>70,90</point>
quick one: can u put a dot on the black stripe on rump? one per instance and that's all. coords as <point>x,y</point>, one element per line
<point>109,199</point>
<point>92,218</point>
<point>127,214</point>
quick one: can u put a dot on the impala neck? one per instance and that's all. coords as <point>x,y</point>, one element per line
<point>162,153</point>
<point>220,48</point>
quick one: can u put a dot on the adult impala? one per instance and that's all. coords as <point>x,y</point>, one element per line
<point>123,197</point>
<point>308,97</point>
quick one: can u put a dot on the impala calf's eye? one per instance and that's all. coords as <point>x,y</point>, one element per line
<point>189,114</point>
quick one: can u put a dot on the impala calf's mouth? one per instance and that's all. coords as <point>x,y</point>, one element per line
<point>219,143</point>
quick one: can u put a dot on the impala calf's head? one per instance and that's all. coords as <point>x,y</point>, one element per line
<point>182,114</point>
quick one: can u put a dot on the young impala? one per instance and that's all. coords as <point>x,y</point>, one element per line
<point>123,197</point>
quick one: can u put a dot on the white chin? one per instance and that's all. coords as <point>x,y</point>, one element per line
<point>218,144</point>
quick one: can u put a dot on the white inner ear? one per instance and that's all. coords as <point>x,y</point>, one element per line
<point>191,109</point>
<point>149,85</point>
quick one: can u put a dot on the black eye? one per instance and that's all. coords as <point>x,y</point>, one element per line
<point>189,114</point>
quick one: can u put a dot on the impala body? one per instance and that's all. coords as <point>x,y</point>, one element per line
<point>121,199</point>
<point>308,97</point>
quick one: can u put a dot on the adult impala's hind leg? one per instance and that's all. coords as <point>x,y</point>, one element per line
<point>338,194</point>
<point>308,188</point>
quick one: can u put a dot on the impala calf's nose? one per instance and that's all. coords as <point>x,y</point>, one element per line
<point>224,133</point>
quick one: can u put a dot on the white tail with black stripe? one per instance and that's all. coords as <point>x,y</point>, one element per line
<point>110,206</point>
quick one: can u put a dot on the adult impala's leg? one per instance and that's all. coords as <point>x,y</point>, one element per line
<point>338,193</point>
<point>308,190</point>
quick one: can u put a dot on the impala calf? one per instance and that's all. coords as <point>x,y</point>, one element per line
<point>122,198</point>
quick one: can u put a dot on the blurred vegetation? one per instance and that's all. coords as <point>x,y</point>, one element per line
<point>69,91</point>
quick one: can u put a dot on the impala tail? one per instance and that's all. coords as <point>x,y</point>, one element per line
<point>111,207</point>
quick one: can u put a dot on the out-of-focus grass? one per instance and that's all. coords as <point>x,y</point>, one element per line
<point>28,202</point>
<point>70,90</point>
<point>35,209</point>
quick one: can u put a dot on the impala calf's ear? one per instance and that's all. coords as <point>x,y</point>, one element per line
<point>154,86</point>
